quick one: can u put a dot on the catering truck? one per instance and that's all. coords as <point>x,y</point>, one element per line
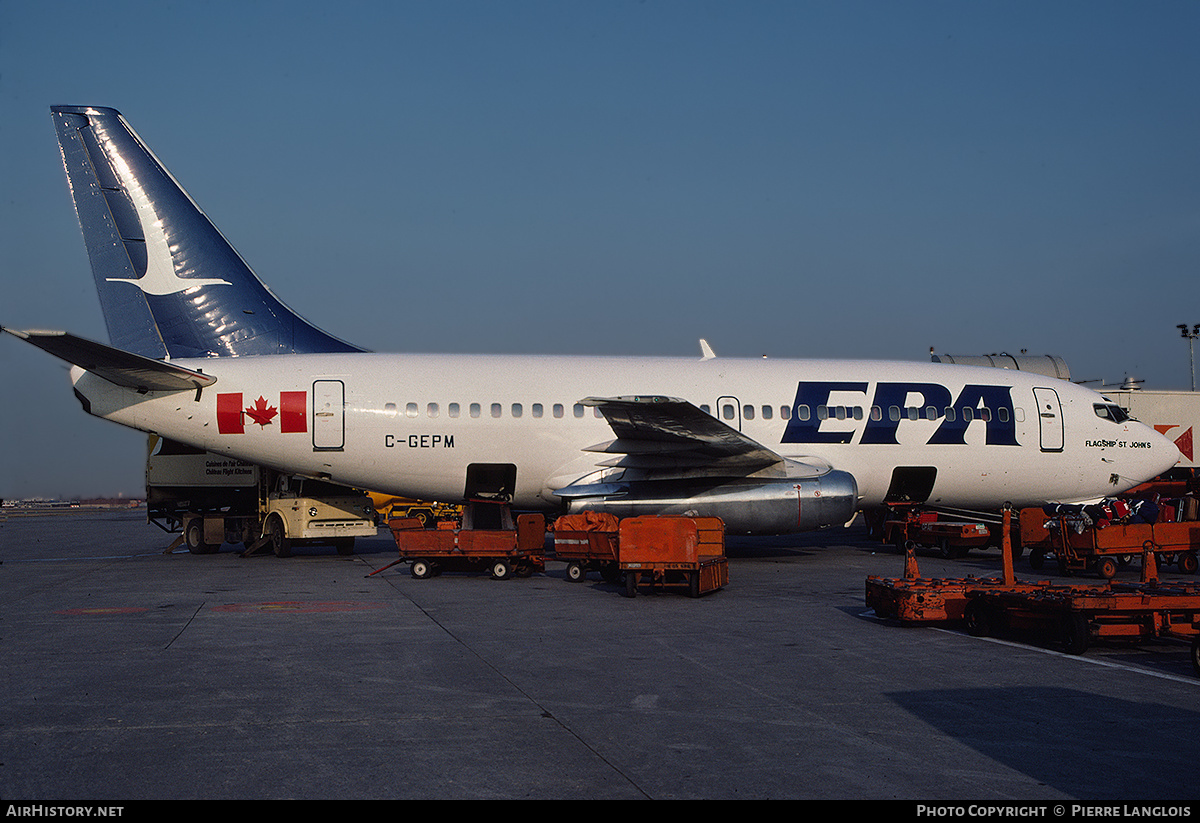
<point>210,499</point>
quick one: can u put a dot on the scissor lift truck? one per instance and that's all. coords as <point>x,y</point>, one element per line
<point>673,552</point>
<point>587,541</point>
<point>516,546</point>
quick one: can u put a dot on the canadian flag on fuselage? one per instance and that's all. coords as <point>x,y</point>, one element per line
<point>233,412</point>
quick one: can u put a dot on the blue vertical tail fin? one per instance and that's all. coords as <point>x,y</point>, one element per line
<point>170,284</point>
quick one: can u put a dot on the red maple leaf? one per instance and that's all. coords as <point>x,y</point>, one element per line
<point>261,413</point>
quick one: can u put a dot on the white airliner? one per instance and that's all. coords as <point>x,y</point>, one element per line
<point>203,353</point>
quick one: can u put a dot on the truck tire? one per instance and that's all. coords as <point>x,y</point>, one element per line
<point>194,536</point>
<point>1187,562</point>
<point>279,539</point>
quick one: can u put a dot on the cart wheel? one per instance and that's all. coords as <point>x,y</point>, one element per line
<point>1106,567</point>
<point>576,573</point>
<point>947,551</point>
<point>1196,654</point>
<point>422,569</point>
<point>1187,562</point>
<point>611,573</point>
<point>694,584</point>
<point>978,619</point>
<point>1076,633</point>
<point>631,583</point>
<point>1037,559</point>
<point>501,570</point>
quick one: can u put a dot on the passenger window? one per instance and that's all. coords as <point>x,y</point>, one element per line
<point>452,410</point>
<point>803,413</point>
<point>410,410</point>
<point>389,409</point>
<point>497,410</point>
<point>785,412</point>
<point>536,409</point>
<point>475,410</point>
<point>558,409</point>
<point>578,410</point>
<point>517,410</point>
<point>767,412</point>
<point>432,410</point>
<point>727,411</point>
<point>748,412</point>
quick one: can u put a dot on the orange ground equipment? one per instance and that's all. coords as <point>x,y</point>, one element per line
<point>952,538</point>
<point>587,541</point>
<point>510,548</point>
<point>677,552</point>
<point>1079,546</point>
<point>1073,615</point>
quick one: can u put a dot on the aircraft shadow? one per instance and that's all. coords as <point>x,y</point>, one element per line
<point>1083,744</point>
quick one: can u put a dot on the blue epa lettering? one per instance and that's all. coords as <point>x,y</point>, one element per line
<point>1000,424</point>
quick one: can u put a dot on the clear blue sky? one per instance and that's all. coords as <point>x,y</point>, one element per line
<point>798,179</point>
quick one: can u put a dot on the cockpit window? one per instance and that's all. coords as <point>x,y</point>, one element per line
<point>1110,411</point>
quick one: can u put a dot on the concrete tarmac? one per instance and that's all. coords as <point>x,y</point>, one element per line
<point>133,674</point>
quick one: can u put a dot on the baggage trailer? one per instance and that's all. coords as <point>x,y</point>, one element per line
<point>587,541</point>
<point>675,552</point>
<point>1079,547</point>
<point>514,548</point>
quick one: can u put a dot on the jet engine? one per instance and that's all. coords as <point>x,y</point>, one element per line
<point>763,507</point>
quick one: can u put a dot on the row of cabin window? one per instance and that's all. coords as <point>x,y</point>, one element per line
<point>897,413</point>
<point>728,412</point>
<point>494,410</point>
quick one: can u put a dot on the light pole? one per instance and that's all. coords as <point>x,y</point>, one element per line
<point>1190,336</point>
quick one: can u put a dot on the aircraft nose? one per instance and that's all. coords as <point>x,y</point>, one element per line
<point>1163,454</point>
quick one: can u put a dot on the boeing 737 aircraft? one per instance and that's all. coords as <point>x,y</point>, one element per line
<point>201,352</point>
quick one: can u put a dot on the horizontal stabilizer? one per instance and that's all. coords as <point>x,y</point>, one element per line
<point>119,367</point>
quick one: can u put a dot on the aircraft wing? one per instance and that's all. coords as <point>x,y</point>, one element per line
<point>661,433</point>
<point>667,438</point>
<point>116,366</point>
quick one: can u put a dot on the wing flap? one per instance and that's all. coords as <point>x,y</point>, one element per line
<point>658,433</point>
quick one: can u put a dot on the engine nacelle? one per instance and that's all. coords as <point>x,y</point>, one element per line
<point>746,506</point>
